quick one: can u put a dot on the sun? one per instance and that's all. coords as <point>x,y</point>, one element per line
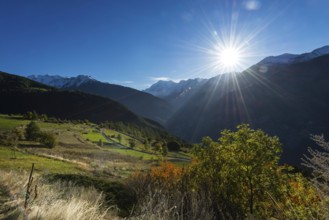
<point>229,57</point>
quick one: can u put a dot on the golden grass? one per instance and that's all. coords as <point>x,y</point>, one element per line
<point>59,200</point>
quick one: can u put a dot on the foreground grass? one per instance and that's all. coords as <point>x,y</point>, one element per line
<point>23,161</point>
<point>58,199</point>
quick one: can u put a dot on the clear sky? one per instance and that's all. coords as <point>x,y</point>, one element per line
<point>136,42</point>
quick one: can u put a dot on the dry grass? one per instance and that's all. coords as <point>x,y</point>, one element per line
<point>60,200</point>
<point>159,200</point>
<point>174,206</point>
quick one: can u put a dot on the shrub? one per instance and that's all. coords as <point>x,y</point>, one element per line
<point>32,131</point>
<point>47,139</point>
<point>164,193</point>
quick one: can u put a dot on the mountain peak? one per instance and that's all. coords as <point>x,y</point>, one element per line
<point>287,58</point>
<point>60,81</point>
<point>322,50</point>
<point>174,90</point>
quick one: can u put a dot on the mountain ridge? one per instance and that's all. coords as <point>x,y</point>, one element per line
<point>287,58</point>
<point>139,102</point>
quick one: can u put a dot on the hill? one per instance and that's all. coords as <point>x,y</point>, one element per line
<point>19,95</point>
<point>85,154</point>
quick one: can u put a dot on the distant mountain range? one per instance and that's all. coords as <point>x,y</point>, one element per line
<point>139,102</point>
<point>60,81</point>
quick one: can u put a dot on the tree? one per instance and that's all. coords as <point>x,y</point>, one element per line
<point>28,115</point>
<point>146,145</point>
<point>158,147</point>
<point>119,138</point>
<point>173,146</point>
<point>240,170</point>
<point>100,143</point>
<point>164,150</point>
<point>32,131</point>
<point>318,162</point>
<point>132,143</point>
<point>44,117</point>
<point>48,139</point>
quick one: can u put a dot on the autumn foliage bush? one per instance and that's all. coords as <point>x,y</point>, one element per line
<point>165,193</point>
<point>166,175</point>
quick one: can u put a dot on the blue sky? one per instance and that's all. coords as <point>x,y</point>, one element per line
<point>136,42</point>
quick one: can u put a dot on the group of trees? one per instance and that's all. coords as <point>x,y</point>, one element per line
<point>143,134</point>
<point>33,133</point>
<point>236,177</point>
<point>33,115</point>
<point>153,140</point>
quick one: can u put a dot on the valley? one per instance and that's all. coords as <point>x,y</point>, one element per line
<point>117,159</point>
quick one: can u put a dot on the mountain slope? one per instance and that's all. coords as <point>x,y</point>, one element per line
<point>294,58</point>
<point>288,100</point>
<point>19,95</point>
<point>139,102</point>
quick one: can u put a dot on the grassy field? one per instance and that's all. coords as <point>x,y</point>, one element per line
<point>95,136</point>
<point>77,147</point>
<point>8,123</point>
<point>124,138</point>
<point>133,153</point>
<point>77,158</point>
<point>24,161</point>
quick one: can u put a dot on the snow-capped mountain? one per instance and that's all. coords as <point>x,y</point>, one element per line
<point>161,88</point>
<point>176,93</point>
<point>166,89</point>
<point>295,58</point>
<point>60,81</point>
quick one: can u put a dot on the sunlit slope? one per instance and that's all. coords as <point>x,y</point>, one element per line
<point>290,101</point>
<point>83,148</point>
